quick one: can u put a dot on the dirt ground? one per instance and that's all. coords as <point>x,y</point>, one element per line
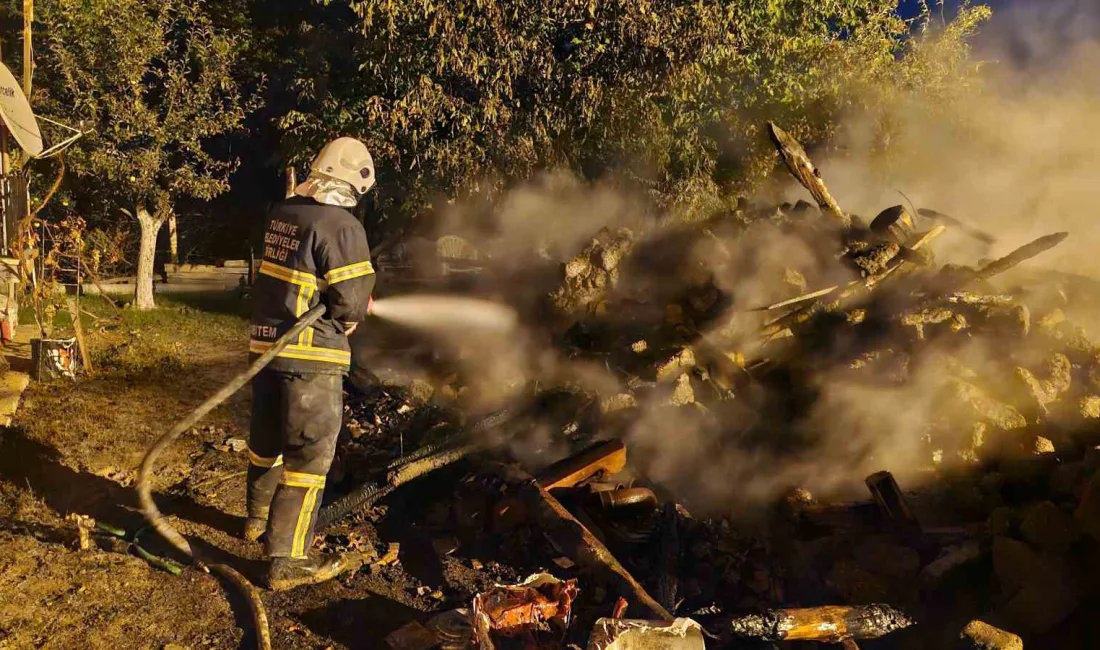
<point>74,449</point>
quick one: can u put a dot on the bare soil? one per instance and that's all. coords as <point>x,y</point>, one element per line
<point>74,448</point>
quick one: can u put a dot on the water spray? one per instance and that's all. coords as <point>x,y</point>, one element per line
<point>442,314</point>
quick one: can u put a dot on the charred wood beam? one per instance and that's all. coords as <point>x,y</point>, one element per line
<point>581,546</point>
<point>420,462</point>
<point>903,263</point>
<point>797,299</point>
<point>853,290</point>
<point>971,231</point>
<point>800,165</point>
<point>608,457</point>
<point>369,493</point>
<point>892,502</point>
<point>829,624</point>
<point>1020,255</point>
<point>981,299</point>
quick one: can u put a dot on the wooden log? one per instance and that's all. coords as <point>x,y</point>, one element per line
<point>797,299</point>
<point>854,289</point>
<point>828,624</point>
<point>577,543</point>
<point>891,502</point>
<point>979,635</point>
<point>1020,255</point>
<point>800,165</point>
<point>925,239</point>
<point>608,457</point>
<point>1016,257</point>
<point>894,224</point>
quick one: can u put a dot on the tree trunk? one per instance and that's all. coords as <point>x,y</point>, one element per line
<point>291,182</point>
<point>150,226</point>
<point>173,241</point>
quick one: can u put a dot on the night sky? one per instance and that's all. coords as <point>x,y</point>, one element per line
<point>911,8</point>
<point>1030,32</point>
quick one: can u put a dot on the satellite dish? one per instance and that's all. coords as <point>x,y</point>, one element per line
<point>16,112</point>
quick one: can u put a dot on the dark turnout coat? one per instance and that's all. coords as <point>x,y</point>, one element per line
<point>312,254</point>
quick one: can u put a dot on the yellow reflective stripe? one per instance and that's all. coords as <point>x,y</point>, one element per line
<point>313,484</point>
<point>299,278</point>
<point>350,271</point>
<point>301,479</point>
<point>303,352</point>
<point>300,544</point>
<point>305,295</point>
<point>309,337</point>
<point>311,354</point>
<point>263,461</point>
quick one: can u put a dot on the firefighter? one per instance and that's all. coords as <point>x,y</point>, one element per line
<point>315,251</point>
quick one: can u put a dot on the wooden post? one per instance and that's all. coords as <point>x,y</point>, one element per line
<point>78,328</point>
<point>803,169</point>
<point>28,55</point>
<point>173,241</point>
<point>28,76</point>
<point>5,165</point>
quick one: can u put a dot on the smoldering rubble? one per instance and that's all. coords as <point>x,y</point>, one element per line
<point>784,423</point>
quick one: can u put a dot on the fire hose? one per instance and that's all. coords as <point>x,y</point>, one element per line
<point>413,466</point>
<point>144,488</point>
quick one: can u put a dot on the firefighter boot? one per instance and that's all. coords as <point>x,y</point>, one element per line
<point>254,528</point>
<point>288,573</point>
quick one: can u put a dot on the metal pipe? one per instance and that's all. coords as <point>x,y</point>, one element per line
<point>626,497</point>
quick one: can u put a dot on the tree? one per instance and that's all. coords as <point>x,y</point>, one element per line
<point>153,85</point>
<point>459,96</point>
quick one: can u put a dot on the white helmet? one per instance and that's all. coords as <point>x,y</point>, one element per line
<point>348,160</point>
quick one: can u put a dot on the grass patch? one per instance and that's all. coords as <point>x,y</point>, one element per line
<point>185,329</point>
<point>151,368</point>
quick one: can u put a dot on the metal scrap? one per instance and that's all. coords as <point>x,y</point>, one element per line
<point>638,496</point>
<point>539,606</point>
<point>626,634</point>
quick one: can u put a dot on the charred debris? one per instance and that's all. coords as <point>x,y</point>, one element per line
<point>991,541</point>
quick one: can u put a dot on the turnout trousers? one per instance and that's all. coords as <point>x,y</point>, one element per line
<point>296,419</point>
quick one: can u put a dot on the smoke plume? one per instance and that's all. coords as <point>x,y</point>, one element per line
<point>1018,158</point>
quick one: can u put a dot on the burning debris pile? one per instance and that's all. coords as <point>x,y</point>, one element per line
<point>761,364</point>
